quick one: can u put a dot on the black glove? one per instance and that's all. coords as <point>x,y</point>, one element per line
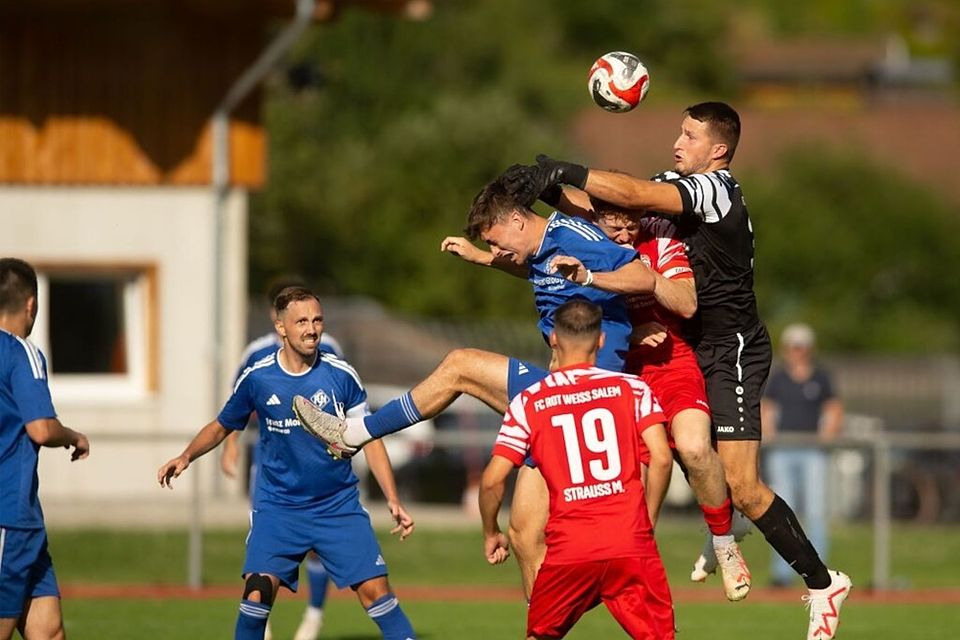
<point>551,172</point>
<point>520,181</point>
<point>552,195</point>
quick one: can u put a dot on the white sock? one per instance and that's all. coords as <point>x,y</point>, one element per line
<point>722,541</point>
<point>356,433</point>
<point>313,613</point>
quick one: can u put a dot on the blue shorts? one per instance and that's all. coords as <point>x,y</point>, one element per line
<point>280,538</point>
<point>26,570</point>
<point>521,375</point>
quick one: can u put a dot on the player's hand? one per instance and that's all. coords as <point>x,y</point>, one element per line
<point>465,249</point>
<point>171,470</point>
<point>81,448</point>
<point>405,524</point>
<point>496,548</point>
<point>551,172</point>
<point>522,182</point>
<point>570,268</point>
<point>650,334</point>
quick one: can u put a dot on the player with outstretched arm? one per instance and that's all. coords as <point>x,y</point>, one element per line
<point>732,344</point>
<point>304,499</point>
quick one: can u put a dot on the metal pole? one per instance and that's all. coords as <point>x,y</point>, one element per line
<point>881,512</point>
<point>221,191</point>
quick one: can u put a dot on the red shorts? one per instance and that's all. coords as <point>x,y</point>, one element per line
<point>634,590</point>
<point>677,386</point>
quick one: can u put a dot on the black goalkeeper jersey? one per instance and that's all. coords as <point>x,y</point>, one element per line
<point>716,228</point>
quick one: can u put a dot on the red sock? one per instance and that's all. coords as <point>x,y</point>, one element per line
<point>718,519</point>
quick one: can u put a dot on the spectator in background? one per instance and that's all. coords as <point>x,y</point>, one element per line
<point>799,398</point>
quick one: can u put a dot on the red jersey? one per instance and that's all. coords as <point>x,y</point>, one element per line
<point>662,250</point>
<point>582,425</point>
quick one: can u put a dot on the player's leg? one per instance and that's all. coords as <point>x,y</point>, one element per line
<point>352,556</point>
<point>781,468</point>
<point>528,519</point>
<point>636,593</point>
<point>683,395</point>
<point>42,619</point>
<point>276,545</point>
<point>29,595</point>
<point>691,433</point>
<point>7,627</point>
<point>318,580</point>
<point>482,374</point>
<point>259,593</point>
<point>381,604</point>
<point>779,524</point>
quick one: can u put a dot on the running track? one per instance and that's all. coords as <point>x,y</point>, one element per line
<point>460,593</point>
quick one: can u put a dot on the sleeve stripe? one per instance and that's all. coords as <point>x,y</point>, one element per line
<point>709,195</point>
<point>265,362</point>
<point>580,228</point>
<point>34,357</point>
<point>342,365</point>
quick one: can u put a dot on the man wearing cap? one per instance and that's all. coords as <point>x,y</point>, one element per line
<point>799,398</point>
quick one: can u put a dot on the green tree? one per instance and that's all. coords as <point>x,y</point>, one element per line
<point>862,253</point>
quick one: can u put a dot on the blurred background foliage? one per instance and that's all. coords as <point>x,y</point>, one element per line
<point>382,131</point>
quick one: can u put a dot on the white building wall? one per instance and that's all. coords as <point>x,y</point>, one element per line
<point>131,434</point>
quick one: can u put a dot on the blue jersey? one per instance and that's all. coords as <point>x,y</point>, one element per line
<point>566,236</point>
<point>24,397</point>
<point>294,468</point>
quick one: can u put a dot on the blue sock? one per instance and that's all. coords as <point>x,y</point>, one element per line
<point>391,619</point>
<point>318,578</point>
<point>397,414</point>
<point>252,621</point>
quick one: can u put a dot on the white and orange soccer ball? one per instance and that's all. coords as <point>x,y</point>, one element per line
<point>618,81</point>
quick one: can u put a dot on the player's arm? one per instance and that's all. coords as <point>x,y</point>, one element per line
<point>570,201</point>
<point>493,485</point>
<point>616,188</point>
<point>677,295</point>
<point>633,193</point>
<point>463,248</point>
<point>659,470</point>
<point>633,277</point>
<point>230,459</point>
<point>50,432</point>
<point>207,439</point>
<point>382,470</point>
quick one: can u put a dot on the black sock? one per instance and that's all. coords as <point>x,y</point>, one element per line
<point>783,531</point>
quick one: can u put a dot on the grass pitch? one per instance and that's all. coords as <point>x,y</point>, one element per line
<point>454,558</point>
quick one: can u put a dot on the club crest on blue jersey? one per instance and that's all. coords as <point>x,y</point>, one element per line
<point>320,398</point>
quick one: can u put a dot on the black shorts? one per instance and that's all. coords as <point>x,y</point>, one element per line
<point>735,368</point>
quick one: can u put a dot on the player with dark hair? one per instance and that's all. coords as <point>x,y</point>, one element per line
<point>304,499</point>
<point>524,244</point>
<point>317,579</point>
<point>732,344</point>
<point>29,594</point>
<point>663,359</point>
<point>584,427</point>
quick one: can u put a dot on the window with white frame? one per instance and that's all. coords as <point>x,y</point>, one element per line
<point>95,326</point>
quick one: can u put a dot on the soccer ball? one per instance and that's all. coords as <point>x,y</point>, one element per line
<point>618,81</point>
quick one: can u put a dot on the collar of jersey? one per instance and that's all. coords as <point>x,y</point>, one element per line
<point>302,373</point>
